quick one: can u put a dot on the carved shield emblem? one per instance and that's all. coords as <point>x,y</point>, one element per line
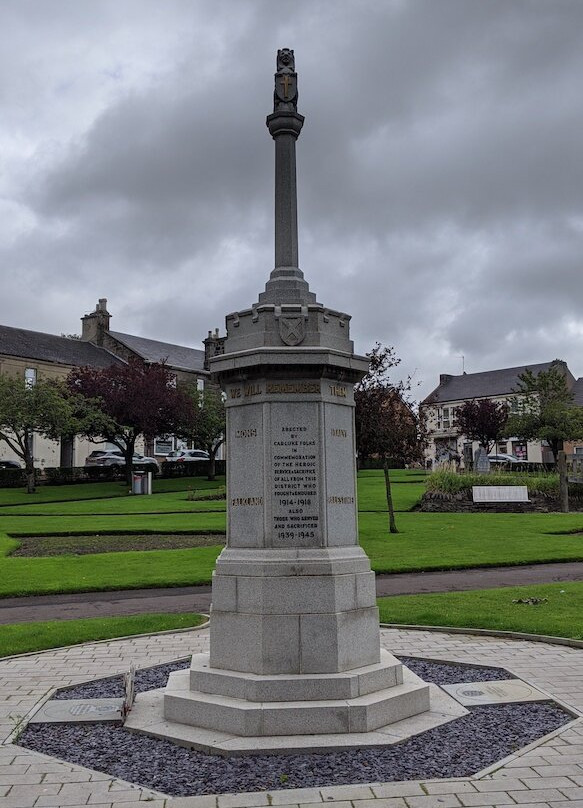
<point>292,330</point>
<point>286,86</point>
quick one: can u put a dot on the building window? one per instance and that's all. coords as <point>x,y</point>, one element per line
<point>445,417</point>
<point>502,447</point>
<point>30,377</point>
<point>579,450</point>
<point>200,385</point>
<point>519,450</point>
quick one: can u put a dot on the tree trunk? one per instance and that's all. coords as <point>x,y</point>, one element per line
<point>563,481</point>
<point>392,523</point>
<point>66,458</point>
<point>556,446</point>
<point>129,458</point>
<point>29,466</point>
<point>211,468</point>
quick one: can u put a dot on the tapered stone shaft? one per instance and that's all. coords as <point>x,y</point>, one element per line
<point>285,128</point>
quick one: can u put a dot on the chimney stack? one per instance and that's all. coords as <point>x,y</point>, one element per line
<point>96,324</point>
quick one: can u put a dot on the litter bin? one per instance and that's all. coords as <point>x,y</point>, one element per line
<point>142,482</point>
<point>139,483</point>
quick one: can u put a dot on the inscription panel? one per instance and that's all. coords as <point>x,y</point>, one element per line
<point>295,475</point>
<point>340,489</point>
<point>245,484</point>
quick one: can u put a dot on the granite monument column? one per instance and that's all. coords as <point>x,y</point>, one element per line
<point>294,633</point>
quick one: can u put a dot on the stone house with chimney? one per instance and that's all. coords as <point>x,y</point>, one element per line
<point>498,385</point>
<point>33,355</point>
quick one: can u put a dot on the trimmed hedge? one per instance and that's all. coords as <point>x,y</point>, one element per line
<point>543,483</point>
<point>376,463</point>
<point>12,478</point>
<point>197,468</point>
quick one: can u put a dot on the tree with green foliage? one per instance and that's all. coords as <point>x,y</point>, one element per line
<point>205,421</point>
<point>482,420</point>
<point>44,409</point>
<point>387,426</point>
<point>136,399</point>
<point>545,409</point>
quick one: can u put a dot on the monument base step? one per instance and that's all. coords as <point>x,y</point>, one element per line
<point>256,719</point>
<point>147,717</point>
<point>388,672</point>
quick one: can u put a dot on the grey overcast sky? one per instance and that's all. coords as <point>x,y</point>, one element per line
<point>440,169</point>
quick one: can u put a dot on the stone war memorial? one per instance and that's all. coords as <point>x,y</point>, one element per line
<point>295,657</point>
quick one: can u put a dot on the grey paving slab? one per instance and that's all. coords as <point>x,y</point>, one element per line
<point>555,763</point>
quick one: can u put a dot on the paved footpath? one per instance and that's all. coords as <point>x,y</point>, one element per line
<point>198,598</point>
<point>547,775</point>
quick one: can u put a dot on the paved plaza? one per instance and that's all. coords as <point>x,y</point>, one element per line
<point>546,774</point>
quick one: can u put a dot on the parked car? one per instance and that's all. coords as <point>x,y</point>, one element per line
<point>505,459</point>
<point>10,464</point>
<point>115,461</point>
<point>187,456</point>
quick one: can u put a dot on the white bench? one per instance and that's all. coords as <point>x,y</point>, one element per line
<point>489,494</point>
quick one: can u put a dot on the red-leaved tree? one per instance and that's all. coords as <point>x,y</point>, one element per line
<point>137,399</point>
<point>387,426</point>
<point>482,420</point>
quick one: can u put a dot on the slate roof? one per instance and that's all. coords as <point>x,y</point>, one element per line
<point>175,356</point>
<point>486,384</point>
<point>35,345</point>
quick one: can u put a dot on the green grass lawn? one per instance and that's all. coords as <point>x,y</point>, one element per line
<point>433,541</point>
<point>371,497</point>
<point>80,491</point>
<point>161,503</point>
<point>425,541</point>
<point>372,494</point>
<point>560,616</point>
<point>22,638</point>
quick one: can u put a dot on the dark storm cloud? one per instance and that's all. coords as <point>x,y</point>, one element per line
<point>440,169</point>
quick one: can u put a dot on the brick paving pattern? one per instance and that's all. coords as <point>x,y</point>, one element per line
<point>548,774</point>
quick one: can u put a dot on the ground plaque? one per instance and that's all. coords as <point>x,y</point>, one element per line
<point>78,711</point>
<point>503,691</point>
<point>294,628</point>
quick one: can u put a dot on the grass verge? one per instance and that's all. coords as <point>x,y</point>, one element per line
<point>22,638</point>
<point>100,490</point>
<point>560,614</point>
<point>442,541</point>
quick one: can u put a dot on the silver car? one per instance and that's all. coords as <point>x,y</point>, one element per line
<point>187,456</point>
<point>114,460</point>
<point>505,459</point>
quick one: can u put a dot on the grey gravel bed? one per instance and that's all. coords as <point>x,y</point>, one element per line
<point>448,673</point>
<point>457,749</point>
<point>112,686</point>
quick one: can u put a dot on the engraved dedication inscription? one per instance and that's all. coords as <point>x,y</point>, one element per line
<point>295,475</point>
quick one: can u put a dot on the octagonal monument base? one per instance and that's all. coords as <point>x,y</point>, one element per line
<point>411,707</point>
